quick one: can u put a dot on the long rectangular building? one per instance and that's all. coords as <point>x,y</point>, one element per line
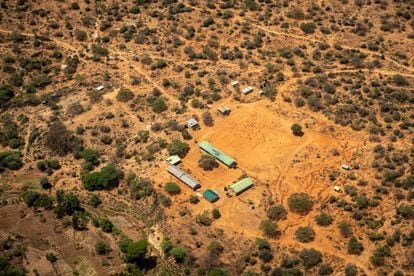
<point>219,155</point>
<point>242,185</point>
<point>184,177</point>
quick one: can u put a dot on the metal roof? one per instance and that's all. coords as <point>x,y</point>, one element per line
<point>242,185</point>
<point>191,122</point>
<point>173,160</point>
<point>247,90</point>
<point>210,195</point>
<point>184,177</point>
<point>222,157</point>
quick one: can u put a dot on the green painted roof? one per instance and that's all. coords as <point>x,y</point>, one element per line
<point>210,195</point>
<point>227,160</point>
<point>242,185</point>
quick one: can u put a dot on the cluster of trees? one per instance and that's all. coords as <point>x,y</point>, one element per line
<point>107,178</point>
<point>10,160</point>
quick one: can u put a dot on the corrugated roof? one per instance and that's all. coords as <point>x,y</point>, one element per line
<point>184,177</point>
<point>242,185</point>
<point>224,158</point>
<point>191,122</point>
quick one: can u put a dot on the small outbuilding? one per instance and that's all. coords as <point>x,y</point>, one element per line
<point>337,189</point>
<point>100,87</point>
<point>241,186</point>
<point>247,90</point>
<point>235,84</point>
<point>345,167</point>
<point>210,195</point>
<point>224,110</point>
<point>173,160</point>
<point>191,123</point>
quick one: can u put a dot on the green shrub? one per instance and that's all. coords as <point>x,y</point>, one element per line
<point>300,203</point>
<point>124,95</point>
<point>136,251</point>
<point>101,248</point>
<point>207,162</point>
<point>172,188</point>
<point>310,257</point>
<point>106,178</point>
<point>177,147</point>
<point>308,28</point>
<point>203,219</point>
<point>10,160</point>
<point>159,105</point>
<point>355,247</point>
<point>95,200</point>
<point>35,199</point>
<point>178,254</point>
<point>305,234</point>
<point>297,130</point>
<point>216,213</point>
<point>81,35</point>
<point>6,94</point>
<point>60,140</point>
<point>324,219</point>
<point>276,212</point>
<point>269,228</point>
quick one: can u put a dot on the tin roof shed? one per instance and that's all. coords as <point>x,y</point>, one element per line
<point>173,160</point>
<point>184,177</point>
<point>242,185</point>
<point>219,155</point>
<point>191,123</point>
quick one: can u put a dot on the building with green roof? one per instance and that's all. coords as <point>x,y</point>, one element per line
<point>219,155</point>
<point>241,186</point>
<point>210,195</point>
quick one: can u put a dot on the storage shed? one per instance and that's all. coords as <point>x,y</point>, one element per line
<point>210,195</point>
<point>191,123</point>
<point>173,160</point>
<point>225,110</point>
<point>219,155</point>
<point>247,90</point>
<point>100,87</point>
<point>184,177</point>
<point>345,167</point>
<point>235,84</point>
<point>241,186</point>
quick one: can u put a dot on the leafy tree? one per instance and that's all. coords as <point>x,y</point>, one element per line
<point>276,212</point>
<point>124,95</point>
<point>308,28</point>
<point>67,203</point>
<point>203,219</point>
<point>106,225</point>
<point>136,251</point>
<point>172,188</point>
<point>355,247</point>
<point>406,211</point>
<point>10,160</point>
<point>325,269</point>
<point>269,228</point>
<point>215,248</point>
<point>310,257</point>
<point>207,119</point>
<point>177,147</point>
<point>265,255</point>
<point>351,270</point>
<point>79,220</point>
<point>324,219</point>
<point>51,257</point>
<point>106,178</point>
<point>95,200</point>
<point>178,254</point>
<point>300,203</point>
<point>217,272</point>
<point>305,234</point>
<point>207,162</point>
<point>297,130</point>
<point>166,245</point>
<point>60,140</point>
<point>81,35</point>
<point>159,105</point>
<point>45,184</point>
<point>6,94</point>
<point>345,228</point>
<point>216,213</point>
<point>102,248</point>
